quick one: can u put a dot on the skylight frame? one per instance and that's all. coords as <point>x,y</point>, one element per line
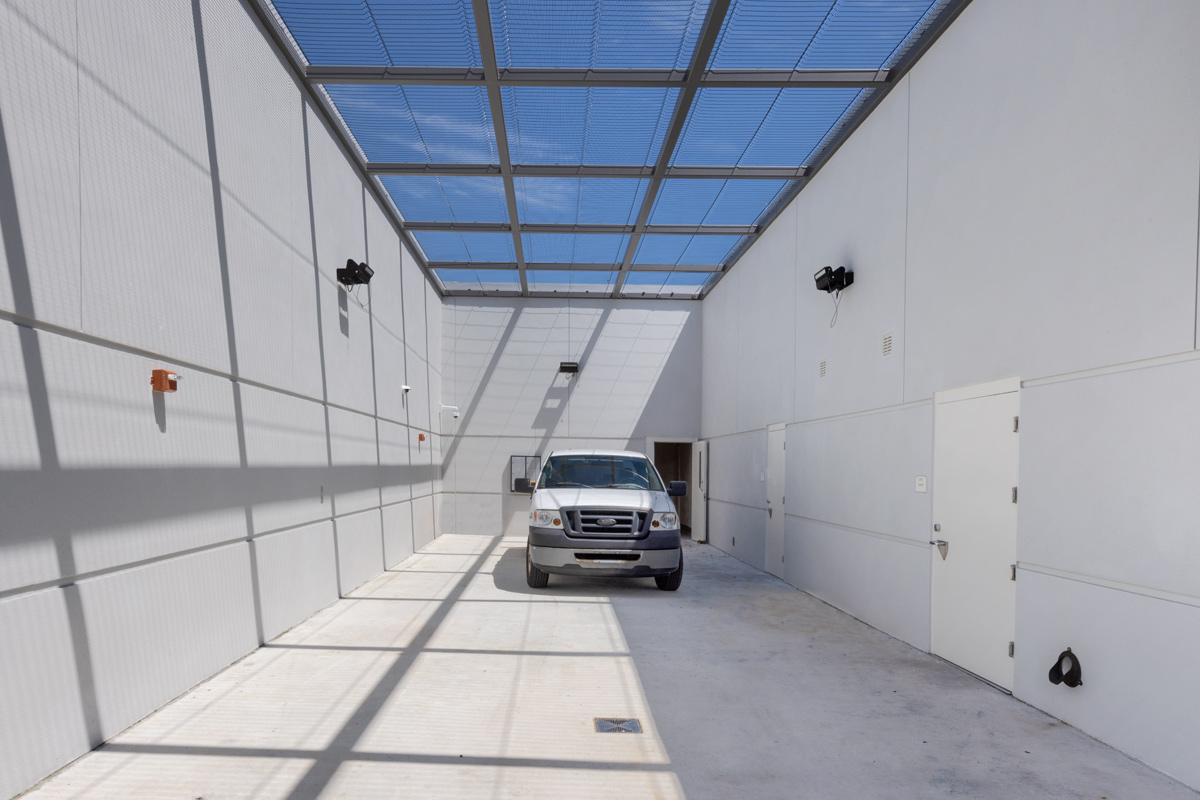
<point>700,74</point>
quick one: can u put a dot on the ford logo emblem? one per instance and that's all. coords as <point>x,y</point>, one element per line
<point>607,522</point>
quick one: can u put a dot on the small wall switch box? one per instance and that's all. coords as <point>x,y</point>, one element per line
<point>922,484</point>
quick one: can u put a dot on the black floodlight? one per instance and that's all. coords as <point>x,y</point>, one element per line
<point>354,273</point>
<point>568,366</point>
<point>833,280</point>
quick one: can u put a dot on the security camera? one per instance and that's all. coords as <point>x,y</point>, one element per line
<point>455,415</point>
<point>452,409</point>
<point>406,389</point>
<point>831,280</point>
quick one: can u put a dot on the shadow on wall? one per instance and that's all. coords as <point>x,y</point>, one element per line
<point>63,523</point>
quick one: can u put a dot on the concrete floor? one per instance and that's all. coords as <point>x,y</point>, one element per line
<point>448,678</point>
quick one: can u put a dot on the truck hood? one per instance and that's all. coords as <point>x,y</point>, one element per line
<point>570,497</point>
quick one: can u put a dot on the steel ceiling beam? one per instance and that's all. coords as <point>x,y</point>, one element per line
<point>683,105</point>
<point>629,78</point>
<point>570,267</point>
<point>597,295</point>
<point>587,171</point>
<point>569,228</point>
<point>924,41</point>
<point>491,79</point>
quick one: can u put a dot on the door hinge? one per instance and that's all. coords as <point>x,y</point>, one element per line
<point>1014,494</point>
<point>1012,572</point>
<point>1016,424</point>
<point>1011,649</point>
<point>785,444</point>
<point>784,503</point>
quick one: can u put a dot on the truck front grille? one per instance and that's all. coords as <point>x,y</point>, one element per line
<point>616,522</point>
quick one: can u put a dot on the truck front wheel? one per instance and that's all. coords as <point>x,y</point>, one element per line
<point>534,576</point>
<point>670,582</point>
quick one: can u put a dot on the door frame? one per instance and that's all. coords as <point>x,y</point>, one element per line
<point>653,440</point>
<point>776,427</point>
<point>974,391</point>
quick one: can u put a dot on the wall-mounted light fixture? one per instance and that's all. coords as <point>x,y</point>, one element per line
<point>354,273</point>
<point>831,280</point>
<point>569,367</point>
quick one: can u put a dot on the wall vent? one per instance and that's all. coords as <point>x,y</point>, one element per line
<point>821,370</point>
<point>886,349</point>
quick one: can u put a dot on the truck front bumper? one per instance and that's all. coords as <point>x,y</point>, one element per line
<point>608,562</point>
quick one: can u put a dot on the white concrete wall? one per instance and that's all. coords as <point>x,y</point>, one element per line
<point>639,376</point>
<point>155,210</point>
<point>1024,203</point>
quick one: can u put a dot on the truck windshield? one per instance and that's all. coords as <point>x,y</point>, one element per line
<point>600,472</point>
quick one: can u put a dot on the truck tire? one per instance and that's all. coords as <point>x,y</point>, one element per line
<point>671,581</point>
<point>534,576</point>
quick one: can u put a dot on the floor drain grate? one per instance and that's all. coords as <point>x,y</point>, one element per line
<point>618,726</point>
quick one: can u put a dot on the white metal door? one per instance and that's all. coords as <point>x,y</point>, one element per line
<point>699,492</point>
<point>776,435</point>
<point>975,528</point>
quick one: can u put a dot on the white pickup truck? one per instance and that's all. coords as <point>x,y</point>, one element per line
<point>604,514</point>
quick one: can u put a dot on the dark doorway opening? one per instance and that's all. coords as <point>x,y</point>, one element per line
<point>674,463</point>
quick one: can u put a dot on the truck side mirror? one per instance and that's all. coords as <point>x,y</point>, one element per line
<point>523,486</point>
<point>677,489</point>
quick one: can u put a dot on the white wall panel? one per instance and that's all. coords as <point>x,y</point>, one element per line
<point>39,97</point>
<point>881,580</point>
<point>719,389</point>
<point>1109,472</point>
<point>860,471</point>
<point>1020,241</point>
<point>853,215</point>
<point>42,720</point>
<point>739,531</point>
<point>738,467</point>
<point>1138,656</point>
<point>766,328</point>
<point>397,533</point>
<point>359,547</point>
<point>156,630</point>
<point>423,521</point>
<point>296,575</point>
<point>151,271</point>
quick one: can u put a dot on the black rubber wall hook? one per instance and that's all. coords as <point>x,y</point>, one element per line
<point>1074,674</point>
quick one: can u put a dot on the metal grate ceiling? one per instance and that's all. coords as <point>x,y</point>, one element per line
<point>619,148</point>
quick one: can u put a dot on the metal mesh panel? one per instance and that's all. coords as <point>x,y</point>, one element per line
<point>678,249</point>
<point>419,123</point>
<point>664,284</point>
<point>596,33</point>
<point>816,34</point>
<point>571,281</point>
<point>423,198</point>
<point>713,202</point>
<point>615,125</point>
<point>566,248</point>
<point>760,127</point>
<point>479,280</point>
<point>463,247</point>
<point>428,33</point>
<point>598,201</point>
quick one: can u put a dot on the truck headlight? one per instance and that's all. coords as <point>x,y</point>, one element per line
<point>668,520</point>
<point>545,518</point>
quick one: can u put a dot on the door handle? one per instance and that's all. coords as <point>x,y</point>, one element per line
<point>943,546</point>
<point>770,513</point>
